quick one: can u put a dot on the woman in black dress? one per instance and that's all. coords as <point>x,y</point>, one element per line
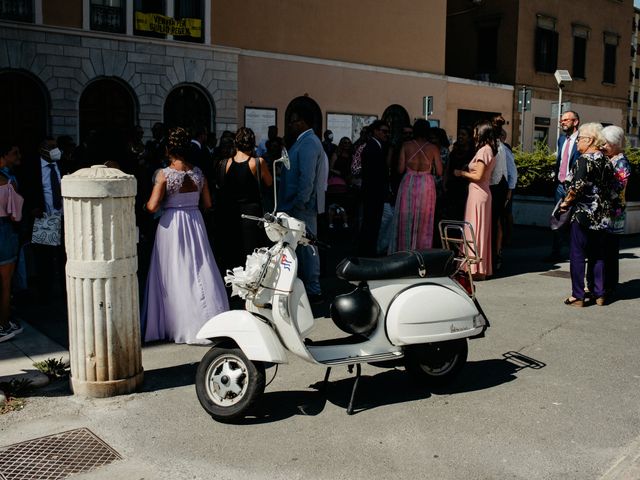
<point>240,193</point>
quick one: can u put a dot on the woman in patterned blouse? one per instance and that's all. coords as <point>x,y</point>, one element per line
<point>589,192</point>
<point>613,149</point>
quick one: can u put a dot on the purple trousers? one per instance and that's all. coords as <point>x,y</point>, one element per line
<point>586,245</point>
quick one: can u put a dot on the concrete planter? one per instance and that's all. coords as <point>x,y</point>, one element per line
<point>535,211</point>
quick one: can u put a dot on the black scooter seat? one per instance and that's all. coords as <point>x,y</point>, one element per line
<point>434,262</point>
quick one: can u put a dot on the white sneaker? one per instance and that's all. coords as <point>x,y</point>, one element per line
<point>6,334</point>
<point>15,327</point>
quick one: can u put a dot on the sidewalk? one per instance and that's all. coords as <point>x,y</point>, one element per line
<point>163,424</point>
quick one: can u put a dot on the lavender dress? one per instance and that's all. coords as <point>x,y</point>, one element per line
<point>184,287</point>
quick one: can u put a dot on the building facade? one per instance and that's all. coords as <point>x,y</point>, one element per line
<point>69,67</point>
<point>523,43</point>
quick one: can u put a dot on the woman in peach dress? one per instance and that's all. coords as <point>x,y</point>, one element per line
<point>478,210</point>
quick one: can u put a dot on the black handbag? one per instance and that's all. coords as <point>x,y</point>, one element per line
<point>560,218</point>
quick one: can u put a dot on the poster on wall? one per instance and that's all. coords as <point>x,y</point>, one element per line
<point>259,120</point>
<point>347,125</point>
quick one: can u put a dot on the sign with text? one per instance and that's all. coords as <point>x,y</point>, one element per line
<point>154,22</point>
<point>347,125</point>
<point>259,120</point>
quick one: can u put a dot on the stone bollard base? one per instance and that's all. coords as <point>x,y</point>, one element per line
<point>107,389</point>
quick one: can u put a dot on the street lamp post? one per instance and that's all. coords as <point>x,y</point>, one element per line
<point>563,78</point>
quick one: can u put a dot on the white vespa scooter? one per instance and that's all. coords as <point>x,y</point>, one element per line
<point>416,307</point>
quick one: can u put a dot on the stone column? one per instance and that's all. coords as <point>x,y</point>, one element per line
<point>102,286</point>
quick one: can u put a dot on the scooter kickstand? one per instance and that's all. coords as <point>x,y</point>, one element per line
<point>325,383</point>
<point>355,387</point>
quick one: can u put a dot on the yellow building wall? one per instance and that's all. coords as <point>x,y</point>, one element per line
<point>273,83</point>
<point>404,34</point>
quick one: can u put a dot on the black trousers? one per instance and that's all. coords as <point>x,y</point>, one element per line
<point>372,209</point>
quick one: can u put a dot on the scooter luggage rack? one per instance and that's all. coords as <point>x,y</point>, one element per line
<point>453,234</point>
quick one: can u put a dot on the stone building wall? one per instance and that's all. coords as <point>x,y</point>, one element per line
<point>66,62</point>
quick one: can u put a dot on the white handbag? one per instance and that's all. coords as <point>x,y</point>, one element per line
<point>48,229</point>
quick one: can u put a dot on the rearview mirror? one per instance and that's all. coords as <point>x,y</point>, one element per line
<point>284,160</point>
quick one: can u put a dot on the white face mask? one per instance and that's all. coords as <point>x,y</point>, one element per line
<point>55,154</point>
<point>330,138</point>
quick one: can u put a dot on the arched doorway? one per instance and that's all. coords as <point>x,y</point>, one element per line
<point>305,102</point>
<point>397,117</point>
<point>189,107</point>
<point>25,102</point>
<point>108,113</point>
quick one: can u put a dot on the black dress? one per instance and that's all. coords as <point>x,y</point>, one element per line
<point>237,237</point>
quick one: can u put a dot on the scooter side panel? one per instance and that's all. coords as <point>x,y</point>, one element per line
<point>255,338</point>
<point>430,313</point>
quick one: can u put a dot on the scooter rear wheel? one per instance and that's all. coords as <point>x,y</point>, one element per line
<point>436,363</point>
<point>228,384</point>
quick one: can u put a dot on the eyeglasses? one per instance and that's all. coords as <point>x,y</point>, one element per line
<point>567,120</point>
<point>578,138</point>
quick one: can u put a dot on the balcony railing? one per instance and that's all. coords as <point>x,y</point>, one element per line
<point>107,19</point>
<point>17,10</point>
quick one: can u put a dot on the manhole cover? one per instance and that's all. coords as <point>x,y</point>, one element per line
<point>55,456</point>
<point>557,274</point>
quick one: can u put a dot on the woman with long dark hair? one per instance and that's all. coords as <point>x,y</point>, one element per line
<point>413,217</point>
<point>478,209</point>
<point>240,193</point>
<point>456,187</point>
<point>184,287</point>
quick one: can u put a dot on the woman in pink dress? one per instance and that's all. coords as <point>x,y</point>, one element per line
<point>412,227</point>
<point>478,210</point>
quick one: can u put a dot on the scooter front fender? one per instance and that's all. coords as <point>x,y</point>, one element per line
<point>255,337</point>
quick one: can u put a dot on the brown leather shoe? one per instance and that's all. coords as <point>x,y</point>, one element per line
<point>574,302</point>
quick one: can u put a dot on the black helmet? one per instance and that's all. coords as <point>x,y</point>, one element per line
<point>356,312</point>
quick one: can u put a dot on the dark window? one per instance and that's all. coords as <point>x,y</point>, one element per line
<point>609,72</point>
<point>190,9</point>
<point>487,49</point>
<point>635,97</point>
<point>108,15</point>
<point>634,122</point>
<point>546,53</point>
<point>637,73</point>
<point>579,57</point>
<point>17,10</point>
<point>148,6</point>
<point>187,106</point>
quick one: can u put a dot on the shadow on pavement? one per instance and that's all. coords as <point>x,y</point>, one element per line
<point>169,377</point>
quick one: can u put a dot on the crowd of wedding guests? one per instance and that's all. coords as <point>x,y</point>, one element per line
<point>391,192</point>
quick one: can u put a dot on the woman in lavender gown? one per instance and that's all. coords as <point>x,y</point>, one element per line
<point>184,287</point>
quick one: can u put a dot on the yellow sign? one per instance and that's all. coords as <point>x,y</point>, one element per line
<point>154,22</point>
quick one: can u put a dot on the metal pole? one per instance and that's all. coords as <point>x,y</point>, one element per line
<point>559,113</point>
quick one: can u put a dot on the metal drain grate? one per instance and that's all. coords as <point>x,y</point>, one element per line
<point>55,456</point>
<point>557,274</point>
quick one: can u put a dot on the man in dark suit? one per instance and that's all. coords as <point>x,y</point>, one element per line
<point>375,187</point>
<point>567,156</point>
<point>43,197</point>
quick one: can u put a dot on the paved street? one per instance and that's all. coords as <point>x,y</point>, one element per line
<point>550,393</point>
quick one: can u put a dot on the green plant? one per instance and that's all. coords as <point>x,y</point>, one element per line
<point>13,390</point>
<point>535,170</point>
<point>53,368</point>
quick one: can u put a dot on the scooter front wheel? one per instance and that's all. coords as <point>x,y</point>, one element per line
<point>436,363</point>
<point>228,384</point>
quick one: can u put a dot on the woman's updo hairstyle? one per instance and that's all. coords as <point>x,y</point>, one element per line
<point>498,122</point>
<point>245,140</point>
<point>178,142</point>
